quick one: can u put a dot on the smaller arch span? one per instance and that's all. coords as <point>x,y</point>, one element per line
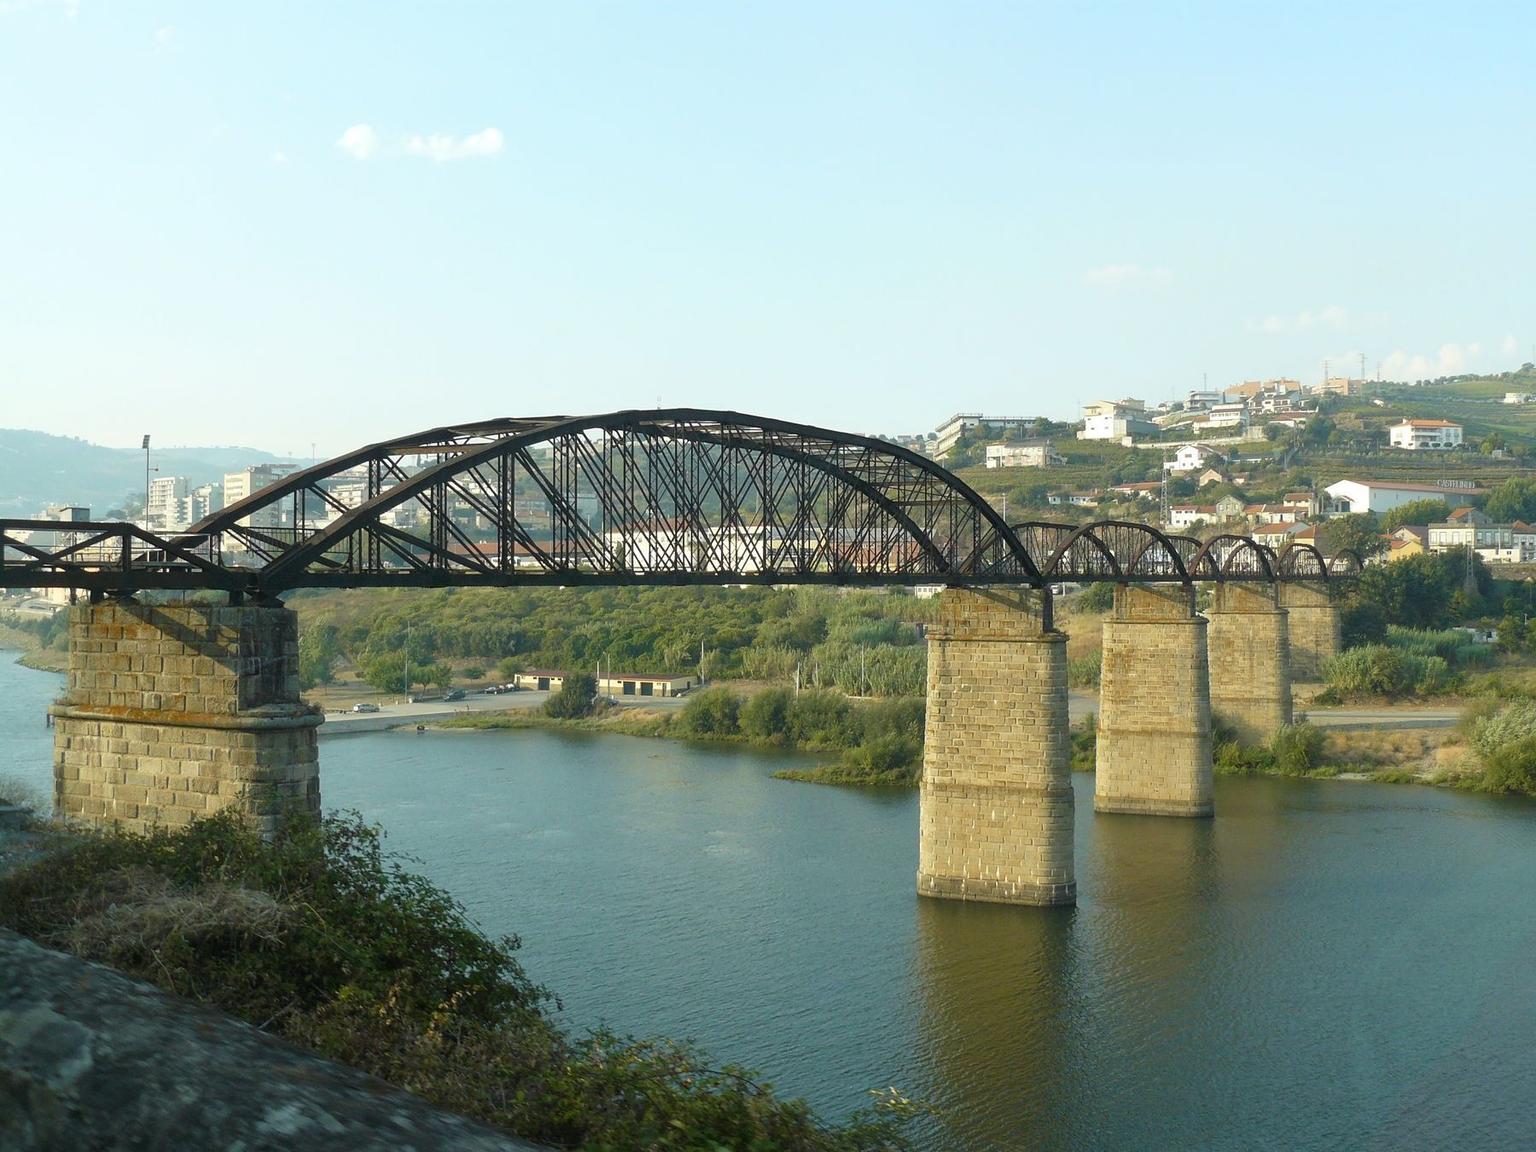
<point>1236,558</point>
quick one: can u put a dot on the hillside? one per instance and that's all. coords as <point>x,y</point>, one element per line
<point>38,469</point>
<point>1355,448</point>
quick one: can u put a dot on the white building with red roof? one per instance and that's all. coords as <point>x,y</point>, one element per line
<point>1419,435</point>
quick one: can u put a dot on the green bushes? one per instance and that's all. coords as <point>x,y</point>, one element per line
<point>319,938</point>
<point>1382,670</point>
<point>710,712</point>
<point>1084,672</point>
<point>765,715</point>
<point>820,721</point>
<point>1493,728</point>
<point>1085,745</point>
<point>1295,750</point>
<point>577,698</point>
<point>1504,738</point>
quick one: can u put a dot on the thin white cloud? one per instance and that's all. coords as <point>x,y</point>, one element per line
<point>359,142</point>
<point>443,148</point>
<point>1448,360</point>
<point>165,36</point>
<point>1126,276</point>
<point>1510,346</point>
<point>1332,317</point>
<point>279,157</point>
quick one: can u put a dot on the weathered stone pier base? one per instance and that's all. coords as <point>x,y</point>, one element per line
<point>996,799</point>
<point>177,711</point>
<point>1313,625</point>
<point>1154,735</point>
<point>1250,661</point>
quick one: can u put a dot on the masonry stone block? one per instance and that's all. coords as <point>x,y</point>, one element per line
<point>996,798</point>
<point>1250,660</point>
<point>174,711</point>
<point>1153,754</point>
<point>1313,627</point>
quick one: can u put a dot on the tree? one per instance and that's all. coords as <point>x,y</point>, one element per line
<point>575,698</point>
<point>711,712</point>
<point>765,715</point>
<point>386,672</point>
<point>317,656</point>
<point>1424,591</point>
<point>1429,511</point>
<point>1358,532</point>
<point>1515,499</point>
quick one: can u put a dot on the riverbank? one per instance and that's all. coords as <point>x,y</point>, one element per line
<point>29,652</point>
<point>876,743</point>
<point>1414,749</point>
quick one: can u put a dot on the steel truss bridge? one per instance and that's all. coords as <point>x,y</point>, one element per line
<point>648,497</point>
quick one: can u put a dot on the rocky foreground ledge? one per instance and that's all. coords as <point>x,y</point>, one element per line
<point>92,1059</point>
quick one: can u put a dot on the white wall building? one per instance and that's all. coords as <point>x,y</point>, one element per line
<point>165,513</point>
<point>1357,496</point>
<point>1419,435</point>
<point>948,434</point>
<point>1116,420</point>
<point>1194,458</point>
<point>239,485</point>
<point>1023,456</point>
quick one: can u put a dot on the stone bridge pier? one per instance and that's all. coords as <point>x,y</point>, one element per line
<point>172,712</point>
<point>1313,624</point>
<point>995,818</point>
<point>1250,660</point>
<point>1154,730</point>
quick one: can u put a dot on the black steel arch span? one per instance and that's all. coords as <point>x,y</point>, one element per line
<point>664,496</point>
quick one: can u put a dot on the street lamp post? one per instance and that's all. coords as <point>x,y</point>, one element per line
<point>145,445</point>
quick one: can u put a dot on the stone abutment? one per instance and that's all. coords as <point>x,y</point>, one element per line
<point>172,712</point>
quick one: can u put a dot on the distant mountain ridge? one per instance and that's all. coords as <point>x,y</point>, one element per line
<point>38,469</point>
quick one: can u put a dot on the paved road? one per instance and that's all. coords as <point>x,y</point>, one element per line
<point>394,715</point>
<point>1081,704</point>
<point>1364,719</point>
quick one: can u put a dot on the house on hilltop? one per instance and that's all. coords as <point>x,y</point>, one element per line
<point>1421,435</point>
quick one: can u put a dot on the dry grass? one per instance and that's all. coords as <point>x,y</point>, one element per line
<point>1423,751</point>
<point>131,914</point>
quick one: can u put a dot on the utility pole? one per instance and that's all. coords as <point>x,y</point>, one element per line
<point>407,661</point>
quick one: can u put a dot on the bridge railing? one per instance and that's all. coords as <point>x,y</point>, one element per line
<point>51,549</point>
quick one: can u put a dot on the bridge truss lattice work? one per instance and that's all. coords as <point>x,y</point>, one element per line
<point>665,496</point>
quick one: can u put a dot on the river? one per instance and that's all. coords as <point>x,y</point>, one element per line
<point>1325,965</point>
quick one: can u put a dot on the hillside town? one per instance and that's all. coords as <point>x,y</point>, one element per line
<point>1275,459</point>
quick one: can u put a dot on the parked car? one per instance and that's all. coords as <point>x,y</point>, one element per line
<point>454,694</point>
<point>494,690</point>
<point>365,707</point>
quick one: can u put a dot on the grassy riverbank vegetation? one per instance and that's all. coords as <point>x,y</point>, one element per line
<point>321,938</point>
<point>859,642</point>
<point>873,741</point>
<point>42,642</point>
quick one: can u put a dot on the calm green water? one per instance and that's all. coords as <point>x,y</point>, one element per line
<point>1325,965</point>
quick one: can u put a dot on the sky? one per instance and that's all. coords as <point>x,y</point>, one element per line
<point>295,224</point>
